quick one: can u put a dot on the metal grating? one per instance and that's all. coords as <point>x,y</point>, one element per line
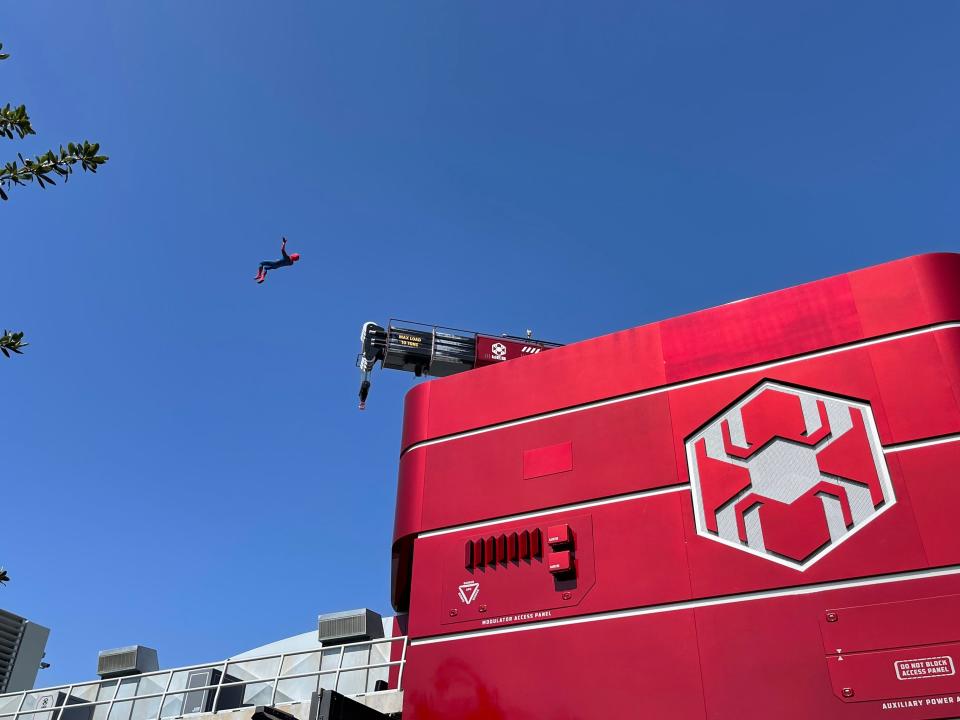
<point>132,660</point>
<point>110,663</point>
<point>355,624</point>
<point>11,631</point>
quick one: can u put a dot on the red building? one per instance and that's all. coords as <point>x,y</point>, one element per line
<point>747,512</point>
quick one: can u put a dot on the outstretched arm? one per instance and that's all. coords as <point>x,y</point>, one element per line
<point>283,249</point>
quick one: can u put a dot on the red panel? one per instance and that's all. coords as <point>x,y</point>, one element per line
<point>416,414</point>
<point>800,319</point>
<point>914,388</point>
<point>948,342</point>
<point>602,367</point>
<point>937,275</point>
<point>407,520</point>
<point>932,482</point>
<point>900,673</point>
<point>888,298</point>
<point>406,524</point>
<point>764,658</point>
<point>902,704</point>
<point>640,667</point>
<point>620,448</point>
<point>796,530</point>
<point>547,460</point>
<point>773,414</point>
<point>627,446</point>
<point>850,457</point>
<point>758,658</point>
<point>640,539</point>
<point>906,382</point>
<point>727,480</point>
<point>508,592</point>
<point>848,374</point>
<point>916,291</point>
<point>889,543</point>
<point>477,477</point>
<point>890,625</point>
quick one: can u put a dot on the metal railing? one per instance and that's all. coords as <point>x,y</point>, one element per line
<point>352,669</point>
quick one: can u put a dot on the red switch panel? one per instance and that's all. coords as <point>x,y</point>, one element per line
<point>558,535</point>
<point>510,589</point>
<point>559,562</point>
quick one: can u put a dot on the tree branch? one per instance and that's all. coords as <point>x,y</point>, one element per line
<point>15,120</point>
<point>11,343</point>
<point>42,166</point>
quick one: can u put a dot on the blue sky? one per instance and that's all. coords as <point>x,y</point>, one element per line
<point>183,462</point>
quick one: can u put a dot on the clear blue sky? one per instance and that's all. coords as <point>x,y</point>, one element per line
<point>183,462</point>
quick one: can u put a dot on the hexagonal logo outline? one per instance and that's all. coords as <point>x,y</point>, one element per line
<point>809,398</point>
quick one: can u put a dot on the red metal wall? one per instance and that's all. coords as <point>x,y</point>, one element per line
<point>660,620</point>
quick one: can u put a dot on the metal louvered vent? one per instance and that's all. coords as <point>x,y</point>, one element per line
<point>21,650</point>
<point>363,624</point>
<point>132,660</point>
<point>11,629</point>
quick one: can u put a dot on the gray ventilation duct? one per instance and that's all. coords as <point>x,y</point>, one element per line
<point>132,660</point>
<point>352,625</point>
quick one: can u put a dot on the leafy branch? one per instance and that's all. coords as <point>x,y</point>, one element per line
<point>41,167</point>
<point>11,343</point>
<point>15,120</point>
<point>4,578</point>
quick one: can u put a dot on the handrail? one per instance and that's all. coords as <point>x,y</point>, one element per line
<point>59,702</point>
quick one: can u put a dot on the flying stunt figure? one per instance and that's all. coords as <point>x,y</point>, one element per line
<point>274,264</point>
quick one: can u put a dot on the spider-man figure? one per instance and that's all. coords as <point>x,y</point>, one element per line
<point>274,264</point>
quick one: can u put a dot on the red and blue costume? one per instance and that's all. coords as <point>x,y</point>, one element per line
<point>274,264</point>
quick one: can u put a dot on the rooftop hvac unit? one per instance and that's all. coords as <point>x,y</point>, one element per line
<point>341,627</point>
<point>132,660</point>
